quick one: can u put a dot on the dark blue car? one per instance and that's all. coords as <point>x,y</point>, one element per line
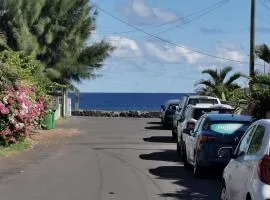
<point>213,131</point>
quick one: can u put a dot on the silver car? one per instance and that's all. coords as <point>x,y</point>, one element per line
<point>167,112</point>
<point>247,176</point>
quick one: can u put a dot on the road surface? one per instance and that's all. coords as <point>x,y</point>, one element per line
<point>113,159</point>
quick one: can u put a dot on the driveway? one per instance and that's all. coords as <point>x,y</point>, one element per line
<point>120,159</point>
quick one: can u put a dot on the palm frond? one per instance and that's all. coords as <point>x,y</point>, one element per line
<point>212,73</point>
<point>263,52</point>
<point>204,82</point>
<point>224,72</point>
<point>233,78</point>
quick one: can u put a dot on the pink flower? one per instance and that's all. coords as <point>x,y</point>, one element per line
<point>4,111</point>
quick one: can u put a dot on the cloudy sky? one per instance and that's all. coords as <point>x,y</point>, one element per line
<point>142,63</point>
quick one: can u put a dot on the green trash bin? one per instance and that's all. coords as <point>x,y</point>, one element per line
<point>48,121</point>
<point>53,119</point>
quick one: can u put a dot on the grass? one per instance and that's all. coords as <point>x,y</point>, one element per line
<point>16,148</point>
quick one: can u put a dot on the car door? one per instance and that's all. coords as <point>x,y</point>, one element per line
<point>182,123</point>
<point>189,141</point>
<point>250,161</point>
<point>193,138</point>
<point>235,176</point>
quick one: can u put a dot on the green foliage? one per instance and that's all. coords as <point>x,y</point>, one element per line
<point>263,52</point>
<point>56,33</point>
<point>256,101</point>
<point>17,68</point>
<point>3,42</point>
<point>219,84</point>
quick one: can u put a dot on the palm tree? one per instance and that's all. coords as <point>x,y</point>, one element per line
<point>218,83</point>
<point>263,52</point>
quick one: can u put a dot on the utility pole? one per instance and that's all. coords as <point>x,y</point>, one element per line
<point>252,39</point>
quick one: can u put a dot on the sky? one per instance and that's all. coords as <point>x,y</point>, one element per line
<point>165,64</point>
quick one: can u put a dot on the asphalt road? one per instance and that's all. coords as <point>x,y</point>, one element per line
<point>113,159</point>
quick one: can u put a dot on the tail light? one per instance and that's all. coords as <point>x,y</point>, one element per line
<point>190,125</point>
<point>264,169</point>
<point>206,138</point>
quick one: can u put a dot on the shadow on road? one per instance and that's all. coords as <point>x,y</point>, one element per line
<point>160,139</point>
<point>191,188</point>
<point>168,155</point>
<point>158,127</point>
<point>154,123</point>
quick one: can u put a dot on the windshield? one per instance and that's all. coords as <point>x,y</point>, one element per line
<point>228,128</point>
<point>208,101</point>
<point>171,106</point>
<point>198,112</point>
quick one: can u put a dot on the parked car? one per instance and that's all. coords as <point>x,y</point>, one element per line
<point>189,119</point>
<point>190,100</point>
<point>168,110</point>
<point>247,176</point>
<point>212,132</point>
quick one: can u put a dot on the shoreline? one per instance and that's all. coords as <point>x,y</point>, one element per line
<point>115,114</point>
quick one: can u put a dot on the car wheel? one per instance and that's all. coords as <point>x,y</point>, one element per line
<point>178,149</point>
<point>224,194</point>
<point>197,170</point>
<point>248,197</point>
<point>174,134</point>
<point>186,164</point>
<point>183,152</point>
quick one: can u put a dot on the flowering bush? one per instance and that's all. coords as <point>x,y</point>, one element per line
<point>21,111</point>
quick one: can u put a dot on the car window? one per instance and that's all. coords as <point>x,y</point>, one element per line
<point>244,143</point>
<point>197,101</point>
<point>256,141</point>
<point>228,127</point>
<point>170,107</point>
<point>201,125</point>
<point>198,125</point>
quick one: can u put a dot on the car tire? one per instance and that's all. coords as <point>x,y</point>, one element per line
<point>197,170</point>
<point>223,194</point>
<point>183,152</point>
<point>186,164</point>
<point>248,197</point>
<point>178,149</point>
<point>174,134</point>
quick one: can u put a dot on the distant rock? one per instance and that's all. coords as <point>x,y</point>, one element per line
<point>130,114</point>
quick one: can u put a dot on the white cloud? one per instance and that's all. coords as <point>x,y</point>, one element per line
<point>141,9</point>
<point>172,54</point>
<point>124,46</point>
<point>140,12</point>
<point>231,51</point>
<point>164,15</point>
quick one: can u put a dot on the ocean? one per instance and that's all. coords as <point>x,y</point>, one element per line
<point>123,101</point>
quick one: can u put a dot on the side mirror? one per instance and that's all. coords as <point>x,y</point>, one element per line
<point>162,107</point>
<point>187,131</point>
<point>181,119</point>
<point>225,152</point>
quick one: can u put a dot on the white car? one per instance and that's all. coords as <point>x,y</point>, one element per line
<point>191,100</point>
<point>247,176</point>
<point>188,122</point>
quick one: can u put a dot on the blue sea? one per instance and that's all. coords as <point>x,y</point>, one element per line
<point>123,101</point>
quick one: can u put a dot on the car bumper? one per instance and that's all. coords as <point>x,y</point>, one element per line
<point>168,120</point>
<point>214,162</point>
<point>260,190</point>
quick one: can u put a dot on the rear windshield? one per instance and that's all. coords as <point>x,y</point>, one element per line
<point>228,128</point>
<point>208,101</point>
<point>198,112</point>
